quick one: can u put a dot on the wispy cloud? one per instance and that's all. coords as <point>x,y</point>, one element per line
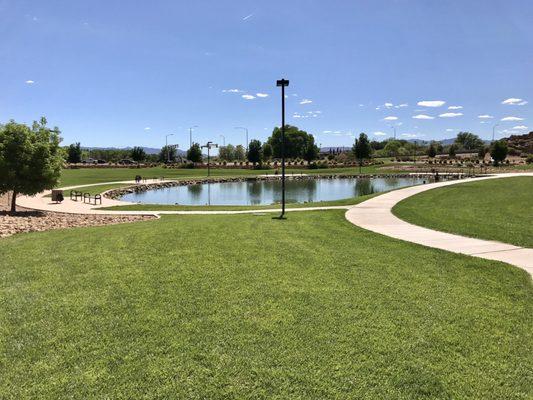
<point>401,105</point>
<point>248,97</point>
<point>423,116</point>
<point>248,17</point>
<point>485,116</point>
<point>431,103</point>
<point>514,102</point>
<point>390,118</point>
<point>520,127</point>
<point>455,108</point>
<point>512,119</point>
<point>306,101</point>
<point>410,135</point>
<point>379,133</point>
<point>30,82</point>
<point>326,131</point>
<point>261,95</point>
<point>450,115</point>
<point>147,128</point>
<point>450,130</point>
<point>232,91</point>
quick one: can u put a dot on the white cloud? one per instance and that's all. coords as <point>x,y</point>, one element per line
<point>514,102</point>
<point>326,131</point>
<point>391,118</point>
<point>450,115</point>
<point>388,105</point>
<point>379,133</point>
<point>485,116</point>
<point>431,103</point>
<point>512,119</point>
<point>232,91</point>
<point>248,17</point>
<point>306,101</point>
<point>520,127</point>
<point>147,128</point>
<point>410,135</point>
<point>402,105</point>
<point>423,116</point>
<point>30,82</point>
<point>449,130</point>
<point>248,97</point>
<point>455,108</point>
<point>261,95</point>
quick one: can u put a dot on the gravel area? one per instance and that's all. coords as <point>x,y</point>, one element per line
<point>32,221</point>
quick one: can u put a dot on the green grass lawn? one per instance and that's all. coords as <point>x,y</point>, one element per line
<point>83,176</point>
<point>499,209</point>
<point>248,307</point>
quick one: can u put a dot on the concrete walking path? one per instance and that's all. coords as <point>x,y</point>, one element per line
<point>376,215</point>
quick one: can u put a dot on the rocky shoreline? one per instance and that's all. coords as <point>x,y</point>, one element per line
<point>116,194</point>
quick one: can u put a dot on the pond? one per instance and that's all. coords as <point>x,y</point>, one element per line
<point>269,191</point>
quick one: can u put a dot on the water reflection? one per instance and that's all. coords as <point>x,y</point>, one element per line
<point>269,192</point>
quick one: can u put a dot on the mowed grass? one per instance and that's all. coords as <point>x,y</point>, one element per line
<point>83,176</point>
<point>249,307</point>
<point>498,209</point>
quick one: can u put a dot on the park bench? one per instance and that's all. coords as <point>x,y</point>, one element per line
<point>74,194</point>
<point>87,198</point>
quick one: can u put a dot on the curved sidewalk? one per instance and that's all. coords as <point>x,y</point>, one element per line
<point>376,215</point>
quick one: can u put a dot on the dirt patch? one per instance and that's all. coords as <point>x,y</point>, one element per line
<point>34,221</point>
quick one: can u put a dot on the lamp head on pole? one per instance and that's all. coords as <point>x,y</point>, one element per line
<point>282,82</point>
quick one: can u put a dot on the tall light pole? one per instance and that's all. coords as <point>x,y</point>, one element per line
<point>282,83</point>
<point>494,131</point>
<point>166,146</point>
<point>209,145</point>
<point>394,128</point>
<point>190,134</point>
<point>223,140</point>
<point>246,129</point>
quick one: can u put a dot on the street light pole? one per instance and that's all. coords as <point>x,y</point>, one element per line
<point>166,145</point>
<point>208,145</point>
<point>282,83</point>
<point>493,131</point>
<point>223,140</point>
<point>394,128</point>
<point>246,129</point>
<point>190,135</point>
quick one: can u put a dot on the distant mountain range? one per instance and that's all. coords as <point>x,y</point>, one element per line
<point>147,150</point>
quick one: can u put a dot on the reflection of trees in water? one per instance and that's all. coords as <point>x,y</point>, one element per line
<point>364,187</point>
<point>308,189</point>
<point>255,191</point>
<point>195,191</point>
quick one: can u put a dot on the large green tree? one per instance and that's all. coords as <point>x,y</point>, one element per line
<point>226,153</point>
<point>74,153</point>
<point>296,142</point>
<point>432,151</point>
<point>30,159</point>
<point>138,154</point>
<point>194,154</point>
<point>362,149</point>
<point>468,141</point>
<point>498,151</point>
<point>240,153</point>
<point>267,151</point>
<point>255,153</point>
<point>167,153</point>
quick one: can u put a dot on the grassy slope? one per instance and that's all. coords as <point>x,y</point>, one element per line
<point>500,209</point>
<point>250,307</point>
<point>84,176</point>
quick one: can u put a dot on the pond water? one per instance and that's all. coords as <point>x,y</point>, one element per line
<point>269,192</point>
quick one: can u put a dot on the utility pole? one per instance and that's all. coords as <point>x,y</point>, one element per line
<point>190,135</point>
<point>246,129</point>
<point>209,145</point>
<point>282,83</point>
<point>166,146</point>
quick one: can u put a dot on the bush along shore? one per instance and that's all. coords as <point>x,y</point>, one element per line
<point>116,194</point>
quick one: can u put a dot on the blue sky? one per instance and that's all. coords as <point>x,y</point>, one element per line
<point>118,73</point>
